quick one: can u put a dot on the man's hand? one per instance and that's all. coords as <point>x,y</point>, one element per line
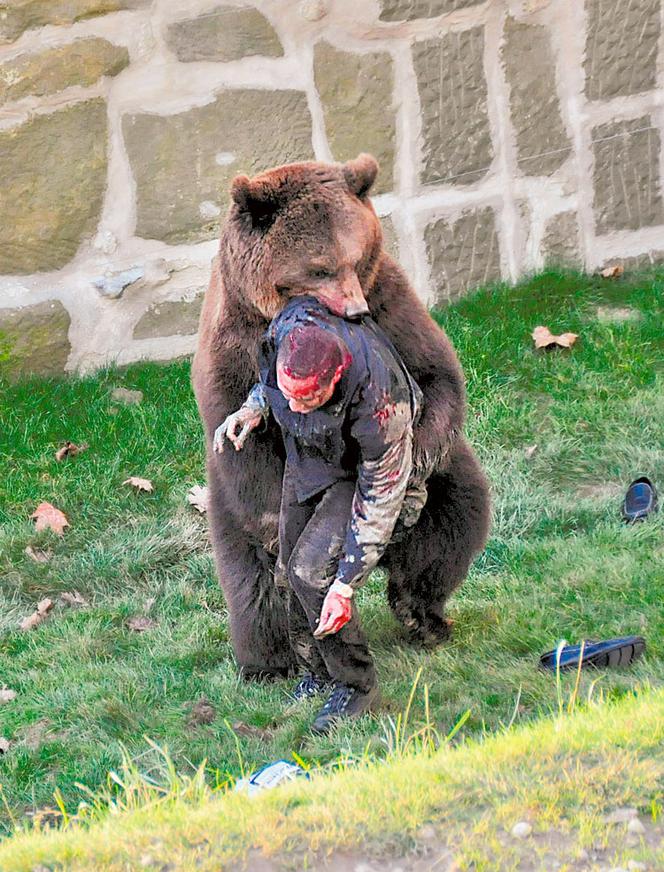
<point>336,610</point>
<point>245,420</point>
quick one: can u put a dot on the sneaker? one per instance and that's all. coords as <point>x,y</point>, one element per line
<point>343,702</point>
<point>640,500</point>
<point>308,686</point>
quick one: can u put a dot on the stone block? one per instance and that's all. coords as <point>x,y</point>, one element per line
<point>407,10</point>
<point>456,145</point>
<point>171,318</point>
<point>53,171</point>
<point>34,339</point>
<point>621,47</point>
<point>560,244</point>
<point>390,238</point>
<point>356,91</point>
<point>626,175</point>
<point>463,254</point>
<point>17,16</point>
<point>82,62</point>
<point>224,34</point>
<point>183,161</point>
<point>542,141</point>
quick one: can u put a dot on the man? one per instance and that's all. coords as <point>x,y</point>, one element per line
<point>346,406</point>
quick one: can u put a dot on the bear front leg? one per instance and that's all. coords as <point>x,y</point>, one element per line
<point>256,611</point>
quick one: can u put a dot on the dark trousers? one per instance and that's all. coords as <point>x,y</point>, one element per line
<point>311,537</point>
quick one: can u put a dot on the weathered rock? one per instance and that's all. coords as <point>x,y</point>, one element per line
<point>390,238</point>
<point>313,10</point>
<point>637,262</point>
<point>17,16</point>
<point>82,62</point>
<point>560,245</point>
<point>406,10</point>
<point>114,284</point>
<point>453,93</point>
<point>171,318</point>
<point>224,34</point>
<point>621,47</point>
<point>626,175</point>
<point>34,339</point>
<point>522,830</point>
<point>463,254</point>
<point>175,157</point>
<point>53,171</point>
<point>356,92</point>
<point>542,141</point>
<point>620,815</point>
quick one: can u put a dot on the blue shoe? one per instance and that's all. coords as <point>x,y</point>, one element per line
<point>640,500</point>
<point>610,653</point>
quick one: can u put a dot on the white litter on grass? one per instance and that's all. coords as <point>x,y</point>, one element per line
<point>268,777</point>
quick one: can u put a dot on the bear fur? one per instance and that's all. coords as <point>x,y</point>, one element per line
<point>311,228</point>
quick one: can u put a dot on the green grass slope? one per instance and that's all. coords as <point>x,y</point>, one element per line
<point>559,562</point>
<point>561,776</point>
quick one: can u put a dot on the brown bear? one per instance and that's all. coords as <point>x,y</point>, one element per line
<point>310,228</point>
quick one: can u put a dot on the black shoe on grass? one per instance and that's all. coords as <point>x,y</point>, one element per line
<point>343,702</point>
<point>308,686</point>
<point>640,500</point>
<point>609,654</point>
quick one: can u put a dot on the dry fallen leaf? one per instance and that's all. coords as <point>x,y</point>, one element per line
<point>612,272</point>
<point>249,731</point>
<point>70,449</point>
<point>141,484</point>
<point>47,517</point>
<point>544,338</point>
<point>141,624</point>
<point>529,451</point>
<point>39,555</point>
<point>35,619</point>
<point>7,695</point>
<point>198,497</point>
<point>203,712</point>
<point>73,598</point>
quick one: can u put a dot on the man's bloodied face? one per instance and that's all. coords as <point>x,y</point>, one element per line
<point>306,394</point>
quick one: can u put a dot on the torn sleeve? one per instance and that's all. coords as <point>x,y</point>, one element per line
<point>385,435</point>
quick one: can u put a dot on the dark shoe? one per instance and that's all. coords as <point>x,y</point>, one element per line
<point>343,702</point>
<point>308,686</point>
<point>611,653</point>
<point>640,500</point>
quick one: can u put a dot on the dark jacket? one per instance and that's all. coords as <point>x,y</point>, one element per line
<point>363,433</point>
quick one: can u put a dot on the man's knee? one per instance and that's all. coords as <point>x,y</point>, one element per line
<point>311,569</point>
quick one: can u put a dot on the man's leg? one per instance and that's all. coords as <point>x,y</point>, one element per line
<point>311,569</point>
<point>293,519</point>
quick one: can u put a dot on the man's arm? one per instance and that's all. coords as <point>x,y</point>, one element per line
<point>384,433</point>
<point>254,411</point>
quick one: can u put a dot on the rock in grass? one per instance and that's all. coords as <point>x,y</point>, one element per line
<point>636,827</point>
<point>522,830</point>
<point>620,816</point>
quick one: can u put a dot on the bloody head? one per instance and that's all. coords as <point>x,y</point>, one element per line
<point>310,362</point>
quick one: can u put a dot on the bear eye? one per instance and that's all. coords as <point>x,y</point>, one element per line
<point>321,273</point>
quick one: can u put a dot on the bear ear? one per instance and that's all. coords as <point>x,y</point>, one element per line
<point>360,174</point>
<point>254,199</point>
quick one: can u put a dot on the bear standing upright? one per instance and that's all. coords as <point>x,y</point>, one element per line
<point>310,228</point>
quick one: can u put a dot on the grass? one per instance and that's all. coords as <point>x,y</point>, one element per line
<point>559,562</point>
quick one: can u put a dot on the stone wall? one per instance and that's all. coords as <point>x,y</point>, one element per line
<point>511,133</point>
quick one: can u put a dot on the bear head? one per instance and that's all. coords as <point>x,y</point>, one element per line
<point>304,228</point>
